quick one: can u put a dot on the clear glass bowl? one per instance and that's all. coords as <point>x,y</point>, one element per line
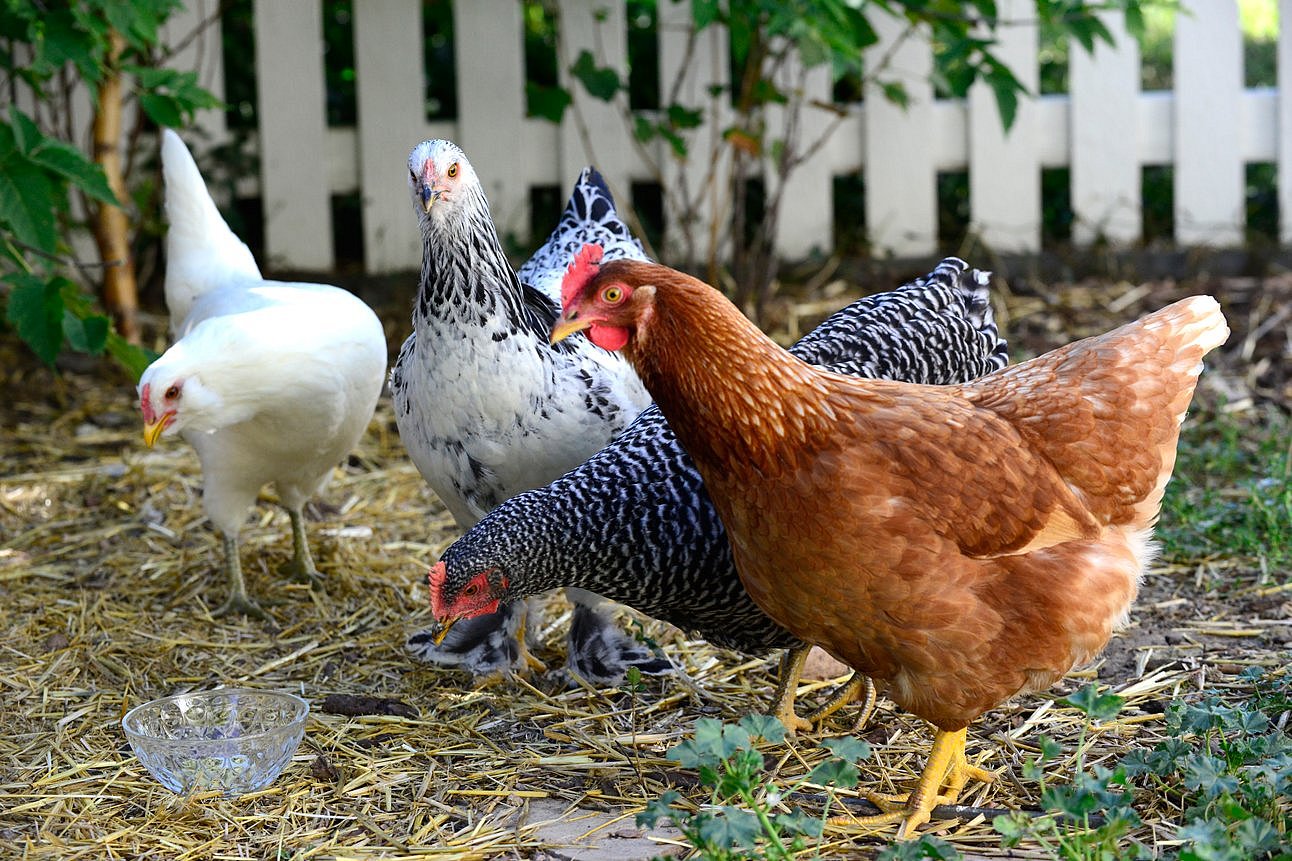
<point>232,740</point>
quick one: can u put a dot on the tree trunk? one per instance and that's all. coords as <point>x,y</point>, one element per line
<point>111,226</point>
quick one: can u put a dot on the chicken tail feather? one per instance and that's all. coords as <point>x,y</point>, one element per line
<point>1106,411</point>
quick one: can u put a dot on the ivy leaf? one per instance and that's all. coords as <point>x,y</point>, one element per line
<point>549,103</point>
<point>36,312</point>
<point>600,82</point>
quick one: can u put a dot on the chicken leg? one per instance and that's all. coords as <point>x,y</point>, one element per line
<point>238,601</point>
<point>947,769</point>
<point>301,566</point>
<point>791,670</point>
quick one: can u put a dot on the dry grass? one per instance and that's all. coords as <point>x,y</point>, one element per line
<point>108,573</point>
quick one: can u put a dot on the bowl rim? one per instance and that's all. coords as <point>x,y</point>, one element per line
<point>302,704</point>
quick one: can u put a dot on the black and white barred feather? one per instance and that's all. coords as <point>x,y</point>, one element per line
<point>634,522</point>
<point>485,405</point>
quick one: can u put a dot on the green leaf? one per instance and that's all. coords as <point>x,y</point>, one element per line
<point>798,822</point>
<point>928,846</point>
<point>1050,749</point>
<point>657,809</point>
<point>36,312</point>
<point>837,771</point>
<point>89,334</point>
<point>763,726</point>
<point>70,164</point>
<point>26,136</point>
<point>600,82</point>
<point>27,201</point>
<point>643,129</point>
<point>895,92</point>
<point>549,103</point>
<point>847,748</point>
<point>733,828</point>
<point>1096,706</point>
<point>129,356</point>
<point>704,13</point>
<point>682,117</point>
<point>162,109</point>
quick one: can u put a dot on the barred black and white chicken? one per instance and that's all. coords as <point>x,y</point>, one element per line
<point>635,524</point>
<point>487,408</point>
<point>269,381</point>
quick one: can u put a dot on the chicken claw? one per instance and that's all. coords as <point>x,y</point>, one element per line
<point>300,567</point>
<point>239,601</point>
<point>791,670</point>
<point>947,769</point>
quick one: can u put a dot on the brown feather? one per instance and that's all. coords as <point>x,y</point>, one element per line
<point>963,543</point>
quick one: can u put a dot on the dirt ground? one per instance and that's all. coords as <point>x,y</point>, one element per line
<point>108,573</point>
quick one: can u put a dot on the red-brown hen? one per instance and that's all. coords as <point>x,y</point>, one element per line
<point>962,544</point>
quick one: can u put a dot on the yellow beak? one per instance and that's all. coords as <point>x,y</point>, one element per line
<point>444,630</point>
<point>153,431</point>
<point>566,327</point>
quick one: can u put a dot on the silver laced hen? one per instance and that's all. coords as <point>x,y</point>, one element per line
<point>488,409</point>
<point>634,522</point>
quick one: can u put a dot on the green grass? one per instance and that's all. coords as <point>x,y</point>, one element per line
<point>1232,492</point>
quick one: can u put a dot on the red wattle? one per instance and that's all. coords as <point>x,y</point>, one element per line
<point>608,337</point>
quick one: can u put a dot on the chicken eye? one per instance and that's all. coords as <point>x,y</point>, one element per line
<point>453,170</point>
<point>172,393</point>
<point>472,589</point>
<point>613,295</point>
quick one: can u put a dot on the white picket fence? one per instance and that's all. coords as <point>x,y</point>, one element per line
<point>1105,129</point>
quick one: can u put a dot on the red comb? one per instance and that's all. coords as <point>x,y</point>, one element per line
<point>581,271</point>
<point>436,577</point>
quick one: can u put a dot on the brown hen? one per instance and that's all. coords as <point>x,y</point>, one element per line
<point>962,544</point>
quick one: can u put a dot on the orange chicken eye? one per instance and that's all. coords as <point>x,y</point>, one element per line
<point>453,170</point>
<point>612,295</point>
<point>172,393</point>
<point>472,588</point>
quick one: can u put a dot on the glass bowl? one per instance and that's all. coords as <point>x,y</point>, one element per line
<point>231,740</point>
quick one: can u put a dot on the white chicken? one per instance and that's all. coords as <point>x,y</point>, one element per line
<point>269,381</point>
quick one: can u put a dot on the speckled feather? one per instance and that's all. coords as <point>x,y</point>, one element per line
<point>485,406</point>
<point>635,524</point>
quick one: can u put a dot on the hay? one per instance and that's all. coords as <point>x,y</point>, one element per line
<point>108,574</point>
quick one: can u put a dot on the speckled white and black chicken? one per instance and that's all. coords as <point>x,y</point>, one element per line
<point>269,381</point>
<point>488,409</point>
<point>634,522</point>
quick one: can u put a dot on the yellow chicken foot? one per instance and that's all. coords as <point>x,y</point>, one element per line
<point>787,687</point>
<point>531,662</point>
<point>300,567</point>
<point>239,601</point>
<point>946,769</point>
<point>846,694</point>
